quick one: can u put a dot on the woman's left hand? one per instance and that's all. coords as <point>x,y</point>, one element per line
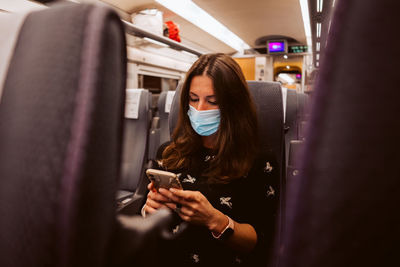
<point>195,208</point>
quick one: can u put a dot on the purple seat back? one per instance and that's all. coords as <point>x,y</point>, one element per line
<point>343,208</point>
<point>60,138</point>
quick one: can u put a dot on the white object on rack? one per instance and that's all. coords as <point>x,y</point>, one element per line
<point>150,20</point>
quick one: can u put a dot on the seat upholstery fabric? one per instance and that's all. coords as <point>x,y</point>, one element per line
<point>60,137</point>
<point>164,126</point>
<point>343,209</point>
<point>291,121</point>
<point>136,135</point>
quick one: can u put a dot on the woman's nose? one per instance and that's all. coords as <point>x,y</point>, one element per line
<point>202,105</point>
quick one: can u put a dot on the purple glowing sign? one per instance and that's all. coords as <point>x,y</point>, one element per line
<point>298,76</point>
<point>276,47</point>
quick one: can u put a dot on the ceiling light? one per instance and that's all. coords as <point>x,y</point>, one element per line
<point>317,56</point>
<point>318,29</point>
<point>318,46</point>
<point>288,67</point>
<point>285,56</point>
<point>333,3</point>
<point>197,16</point>
<point>306,22</point>
<point>320,3</point>
<point>317,64</point>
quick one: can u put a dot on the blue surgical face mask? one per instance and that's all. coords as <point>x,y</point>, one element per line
<point>204,122</point>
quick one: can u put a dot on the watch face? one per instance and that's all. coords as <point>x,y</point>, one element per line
<point>228,232</point>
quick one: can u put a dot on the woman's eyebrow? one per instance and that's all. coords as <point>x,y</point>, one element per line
<point>208,96</point>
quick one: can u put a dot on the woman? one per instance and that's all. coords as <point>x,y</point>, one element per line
<point>229,197</point>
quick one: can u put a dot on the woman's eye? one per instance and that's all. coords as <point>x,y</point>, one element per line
<point>193,99</point>
<point>214,103</point>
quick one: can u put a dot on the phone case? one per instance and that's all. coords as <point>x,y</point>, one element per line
<point>163,179</point>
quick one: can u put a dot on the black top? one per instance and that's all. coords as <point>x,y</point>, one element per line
<point>252,199</point>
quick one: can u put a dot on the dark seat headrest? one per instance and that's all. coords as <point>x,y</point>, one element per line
<point>267,97</point>
<point>343,209</point>
<point>60,137</point>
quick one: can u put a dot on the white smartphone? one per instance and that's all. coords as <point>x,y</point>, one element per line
<point>163,179</point>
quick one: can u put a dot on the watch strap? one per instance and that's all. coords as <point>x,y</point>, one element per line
<point>228,231</point>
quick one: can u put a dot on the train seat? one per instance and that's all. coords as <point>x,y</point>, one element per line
<point>302,130</point>
<point>295,129</point>
<point>269,103</point>
<point>60,137</point>
<point>291,120</point>
<point>295,149</point>
<point>161,130</point>
<point>159,134</point>
<point>284,100</point>
<point>267,97</point>
<point>343,209</point>
<point>61,121</point>
<point>268,100</point>
<point>154,137</point>
<point>303,106</point>
<point>164,107</point>
<point>135,144</point>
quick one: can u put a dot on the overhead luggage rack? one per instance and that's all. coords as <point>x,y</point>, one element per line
<point>139,32</point>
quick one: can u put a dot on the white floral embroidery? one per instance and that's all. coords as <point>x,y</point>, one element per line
<point>268,167</point>
<point>208,157</point>
<point>225,201</point>
<point>176,229</point>
<point>270,191</point>
<point>195,258</point>
<point>189,179</point>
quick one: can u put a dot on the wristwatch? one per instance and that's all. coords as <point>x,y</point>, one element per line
<point>227,232</point>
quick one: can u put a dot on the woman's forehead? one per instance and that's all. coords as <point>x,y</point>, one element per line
<point>202,85</point>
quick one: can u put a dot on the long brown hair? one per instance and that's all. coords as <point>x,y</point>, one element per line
<point>237,136</point>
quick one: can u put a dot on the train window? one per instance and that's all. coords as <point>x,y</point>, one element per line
<point>156,84</point>
<point>151,83</point>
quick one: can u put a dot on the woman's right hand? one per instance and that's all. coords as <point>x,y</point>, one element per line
<point>155,200</point>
